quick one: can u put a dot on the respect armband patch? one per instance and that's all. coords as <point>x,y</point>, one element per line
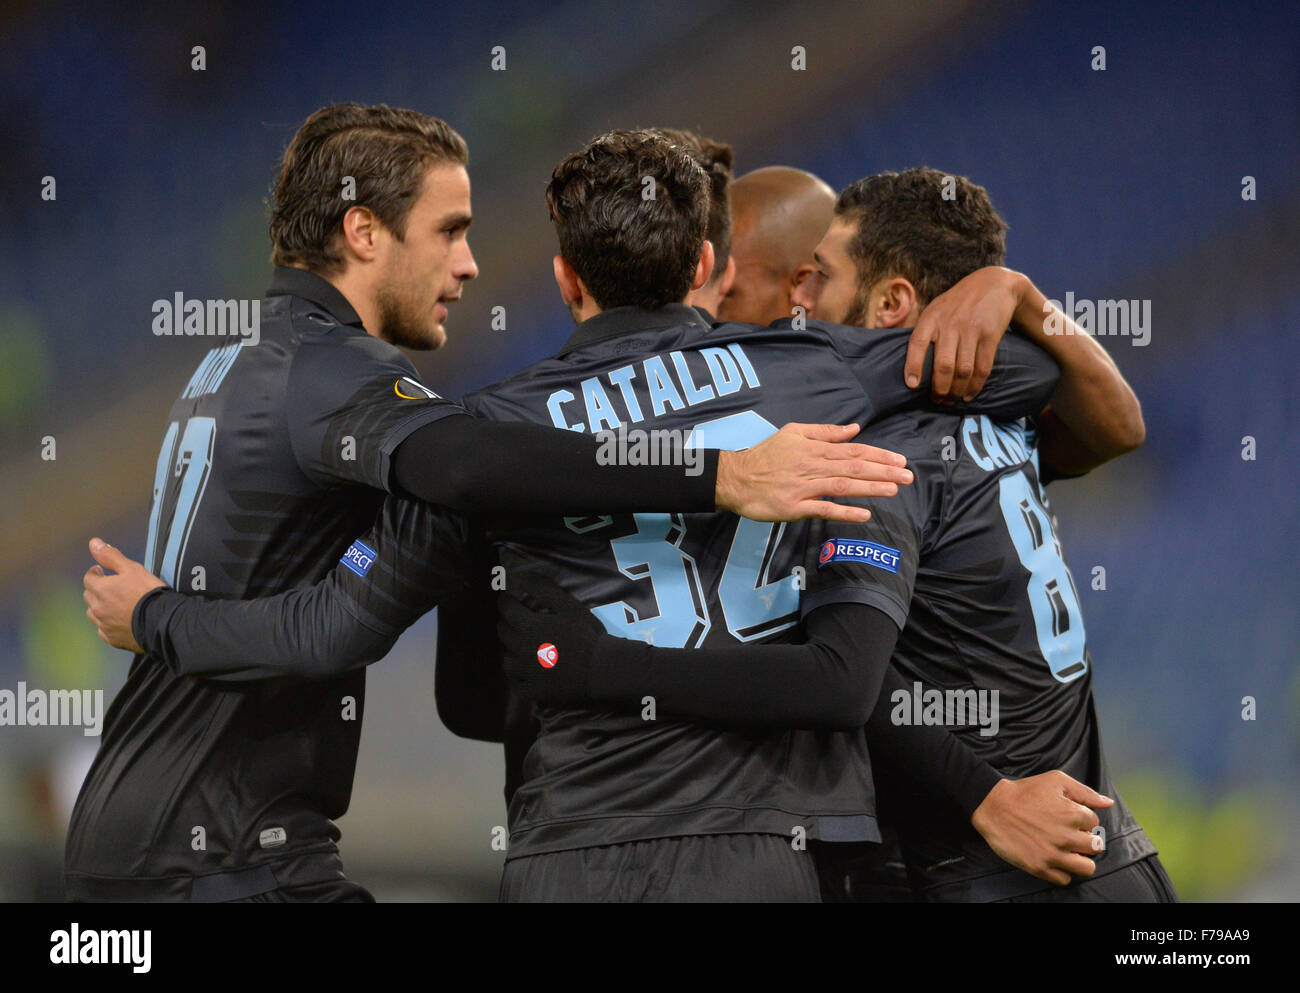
<point>857,550</point>
<point>359,558</point>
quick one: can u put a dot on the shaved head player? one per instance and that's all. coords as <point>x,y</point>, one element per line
<point>778,216</point>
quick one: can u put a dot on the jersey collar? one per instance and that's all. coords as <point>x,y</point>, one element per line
<point>290,282</point>
<point>620,321</point>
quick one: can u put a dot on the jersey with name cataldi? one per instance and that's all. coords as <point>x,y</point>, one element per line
<point>648,380</point>
<point>968,564</point>
<point>276,455</point>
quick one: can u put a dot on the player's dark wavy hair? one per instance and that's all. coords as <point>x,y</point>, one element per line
<point>386,151</point>
<point>718,159</point>
<point>631,249</point>
<point>930,227</point>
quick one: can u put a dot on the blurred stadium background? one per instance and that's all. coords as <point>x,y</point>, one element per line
<point>1117,184</point>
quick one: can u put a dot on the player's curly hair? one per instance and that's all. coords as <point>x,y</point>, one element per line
<point>930,227</point>
<point>631,210</point>
<point>385,150</point>
<point>718,159</point>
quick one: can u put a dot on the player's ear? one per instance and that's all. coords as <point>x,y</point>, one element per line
<point>795,295</point>
<point>361,233</point>
<point>566,278</point>
<point>703,268</point>
<point>799,275</point>
<point>895,303</point>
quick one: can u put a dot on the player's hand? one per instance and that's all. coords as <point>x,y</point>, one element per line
<point>965,325</point>
<point>111,599</point>
<point>548,641</point>
<point>1042,825</point>
<point>790,475</point>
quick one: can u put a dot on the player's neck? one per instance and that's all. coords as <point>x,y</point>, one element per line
<point>356,289</point>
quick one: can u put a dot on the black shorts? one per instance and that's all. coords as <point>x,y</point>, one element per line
<point>731,868</point>
<point>1143,881</point>
<point>331,891</point>
<point>307,877</point>
<point>864,871</point>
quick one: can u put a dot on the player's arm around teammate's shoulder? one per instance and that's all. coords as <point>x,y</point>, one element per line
<point>964,324</point>
<point>1094,415</point>
<point>477,465</point>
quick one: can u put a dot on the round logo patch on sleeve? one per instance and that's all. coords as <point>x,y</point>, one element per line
<point>547,655</point>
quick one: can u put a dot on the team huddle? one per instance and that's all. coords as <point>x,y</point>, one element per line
<point>822,646</point>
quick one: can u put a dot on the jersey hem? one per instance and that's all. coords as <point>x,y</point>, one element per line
<point>559,836</point>
<point>298,868</point>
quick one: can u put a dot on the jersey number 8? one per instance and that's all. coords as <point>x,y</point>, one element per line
<point>1058,618</point>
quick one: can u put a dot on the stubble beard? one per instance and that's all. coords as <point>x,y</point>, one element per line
<point>857,313</point>
<point>400,325</point>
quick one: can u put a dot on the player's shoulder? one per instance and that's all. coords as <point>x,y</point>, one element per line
<point>931,443</point>
<point>807,351</point>
<point>916,432</point>
<point>874,356</point>
<point>524,383</point>
<point>571,365</point>
<point>787,331</point>
<point>857,344</point>
<point>321,335</point>
<point>328,355</point>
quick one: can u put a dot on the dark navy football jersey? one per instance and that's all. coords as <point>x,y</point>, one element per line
<point>968,563</point>
<point>598,778</point>
<point>275,457</point>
